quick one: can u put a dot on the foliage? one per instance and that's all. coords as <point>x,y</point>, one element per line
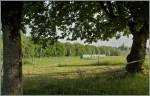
<point>65,49</point>
<point>90,20</point>
<point>123,47</point>
<point>36,15</point>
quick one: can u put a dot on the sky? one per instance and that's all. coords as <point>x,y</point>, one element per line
<point>127,41</point>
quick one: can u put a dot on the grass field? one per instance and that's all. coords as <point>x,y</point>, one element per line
<point>72,75</point>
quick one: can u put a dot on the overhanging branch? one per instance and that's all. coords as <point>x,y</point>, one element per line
<point>108,9</point>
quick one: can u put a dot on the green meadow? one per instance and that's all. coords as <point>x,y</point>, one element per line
<point>76,76</point>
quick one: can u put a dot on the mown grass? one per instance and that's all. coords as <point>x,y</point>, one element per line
<point>76,60</point>
<point>89,85</point>
<point>72,75</point>
<point>67,64</point>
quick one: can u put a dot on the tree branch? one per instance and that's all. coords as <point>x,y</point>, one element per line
<point>107,9</point>
<point>110,8</point>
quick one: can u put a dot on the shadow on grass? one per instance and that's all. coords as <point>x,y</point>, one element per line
<point>93,64</point>
<point>26,62</point>
<point>110,83</point>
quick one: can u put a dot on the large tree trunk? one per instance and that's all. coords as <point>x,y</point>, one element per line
<point>12,63</point>
<point>138,51</point>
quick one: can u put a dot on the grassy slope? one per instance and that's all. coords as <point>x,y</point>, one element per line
<point>72,75</point>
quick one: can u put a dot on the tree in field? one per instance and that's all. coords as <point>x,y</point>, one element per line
<point>12,57</point>
<point>86,20</point>
<point>123,47</point>
<point>13,14</point>
<point>101,20</point>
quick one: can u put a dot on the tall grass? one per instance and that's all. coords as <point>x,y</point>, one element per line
<point>72,75</point>
<point>110,85</point>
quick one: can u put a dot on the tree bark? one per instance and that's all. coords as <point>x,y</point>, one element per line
<point>12,63</point>
<point>138,51</point>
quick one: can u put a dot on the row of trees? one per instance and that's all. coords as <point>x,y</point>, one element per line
<point>67,49</point>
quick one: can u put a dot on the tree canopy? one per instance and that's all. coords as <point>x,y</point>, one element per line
<point>90,20</point>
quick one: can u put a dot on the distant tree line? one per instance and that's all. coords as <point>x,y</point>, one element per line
<point>66,49</point>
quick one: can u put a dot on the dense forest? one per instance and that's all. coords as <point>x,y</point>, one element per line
<point>67,49</point>
<point>30,49</point>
